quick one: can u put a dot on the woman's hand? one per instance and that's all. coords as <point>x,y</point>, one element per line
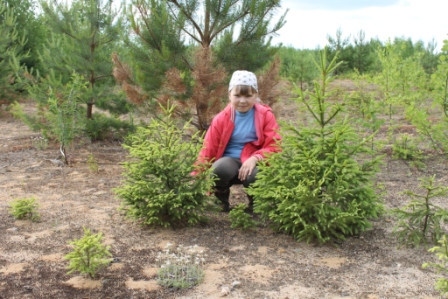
<point>247,168</point>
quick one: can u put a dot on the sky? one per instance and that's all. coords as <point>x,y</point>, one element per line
<point>309,22</point>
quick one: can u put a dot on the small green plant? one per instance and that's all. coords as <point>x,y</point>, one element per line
<point>93,163</point>
<point>89,254</point>
<point>24,208</point>
<point>420,220</point>
<point>180,268</point>
<point>240,219</point>
<point>442,267</point>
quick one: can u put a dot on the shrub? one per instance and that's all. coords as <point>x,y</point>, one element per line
<point>315,188</point>
<point>442,253</point>
<point>88,255</point>
<point>103,127</point>
<point>240,219</point>
<point>180,268</point>
<point>158,187</point>
<point>24,208</point>
<point>420,220</point>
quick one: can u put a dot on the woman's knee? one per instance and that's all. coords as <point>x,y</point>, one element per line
<point>224,170</point>
<point>225,167</point>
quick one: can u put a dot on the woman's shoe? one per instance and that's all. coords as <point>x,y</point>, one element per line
<point>223,196</point>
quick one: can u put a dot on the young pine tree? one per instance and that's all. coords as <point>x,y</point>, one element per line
<point>364,110</point>
<point>401,81</point>
<point>317,188</point>
<point>298,66</point>
<point>433,126</point>
<point>84,34</point>
<point>11,53</point>
<point>340,47</point>
<point>63,119</point>
<point>362,58</point>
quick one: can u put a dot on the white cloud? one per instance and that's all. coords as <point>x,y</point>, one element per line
<point>416,19</point>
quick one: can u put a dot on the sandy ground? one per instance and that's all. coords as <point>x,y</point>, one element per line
<point>264,263</point>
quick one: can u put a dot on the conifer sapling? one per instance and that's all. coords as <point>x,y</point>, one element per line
<point>158,187</point>
<point>317,187</point>
<point>89,255</point>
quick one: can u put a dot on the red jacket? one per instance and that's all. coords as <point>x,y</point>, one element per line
<point>221,128</point>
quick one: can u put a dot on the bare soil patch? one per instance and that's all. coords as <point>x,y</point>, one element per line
<point>267,264</point>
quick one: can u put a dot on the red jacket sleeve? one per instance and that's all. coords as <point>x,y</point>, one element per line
<point>211,143</point>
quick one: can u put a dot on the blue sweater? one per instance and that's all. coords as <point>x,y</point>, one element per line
<point>243,133</point>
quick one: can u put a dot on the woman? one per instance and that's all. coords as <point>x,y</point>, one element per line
<point>239,136</point>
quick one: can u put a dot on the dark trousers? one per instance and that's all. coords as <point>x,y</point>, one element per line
<point>226,171</point>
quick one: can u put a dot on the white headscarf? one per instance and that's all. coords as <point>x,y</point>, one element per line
<point>243,78</point>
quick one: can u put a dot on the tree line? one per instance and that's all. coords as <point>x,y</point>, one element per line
<point>357,54</point>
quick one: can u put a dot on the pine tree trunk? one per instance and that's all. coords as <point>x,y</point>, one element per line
<point>89,110</point>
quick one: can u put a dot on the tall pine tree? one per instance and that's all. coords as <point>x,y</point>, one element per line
<point>84,36</point>
<point>340,47</point>
<point>184,34</point>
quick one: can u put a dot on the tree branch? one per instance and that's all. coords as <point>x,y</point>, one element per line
<point>190,18</point>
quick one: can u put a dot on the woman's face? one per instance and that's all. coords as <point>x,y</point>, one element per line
<point>242,98</point>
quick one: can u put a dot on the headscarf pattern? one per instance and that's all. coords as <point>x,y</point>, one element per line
<point>243,78</point>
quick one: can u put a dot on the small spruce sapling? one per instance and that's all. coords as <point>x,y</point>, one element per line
<point>89,254</point>
<point>240,219</point>
<point>316,188</point>
<point>24,208</point>
<point>420,221</point>
<point>442,267</point>
<point>158,187</point>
